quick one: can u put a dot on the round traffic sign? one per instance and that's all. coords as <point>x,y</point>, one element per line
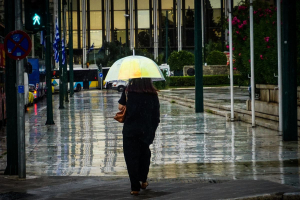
<point>17,45</point>
<point>100,75</point>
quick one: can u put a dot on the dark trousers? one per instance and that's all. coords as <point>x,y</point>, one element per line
<point>137,156</point>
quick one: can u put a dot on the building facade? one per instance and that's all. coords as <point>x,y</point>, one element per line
<point>114,26</point>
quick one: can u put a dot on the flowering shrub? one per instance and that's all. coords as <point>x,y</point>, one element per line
<point>265,41</point>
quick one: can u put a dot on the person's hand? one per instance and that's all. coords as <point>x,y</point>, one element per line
<point>121,107</point>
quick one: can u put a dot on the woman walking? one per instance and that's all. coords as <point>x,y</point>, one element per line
<point>141,121</point>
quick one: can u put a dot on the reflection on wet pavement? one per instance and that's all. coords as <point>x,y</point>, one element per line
<point>87,141</point>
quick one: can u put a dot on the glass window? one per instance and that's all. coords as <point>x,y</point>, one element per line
<point>190,37</point>
<point>119,5</point>
<point>75,39</point>
<point>143,19</point>
<point>95,4</point>
<point>189,17</point>
<point>120,36</point>
<point>167,4</point>
<point>119,20</point>
<point>189,4</point>
<point>143,4</point>
<point>170,18</point>
<point>96,20</point>
<point>96,38</point>
<point>236,2</point>
<point>215,3</point>
<point>143,38</point>
<point>75,20</point>
<point>216,15</point>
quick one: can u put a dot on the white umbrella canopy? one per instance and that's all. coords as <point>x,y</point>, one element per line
<point>134,67</point>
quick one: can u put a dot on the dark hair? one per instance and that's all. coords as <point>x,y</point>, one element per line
<point>141,85</point>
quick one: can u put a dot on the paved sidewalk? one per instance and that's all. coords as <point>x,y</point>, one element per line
<point>194,155</point>
<point>118,188</point>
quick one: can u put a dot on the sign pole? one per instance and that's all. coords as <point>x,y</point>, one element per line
<point>199,106</point>
<point>20,100</point>
<point>11,98</point>
<point>48,70</point>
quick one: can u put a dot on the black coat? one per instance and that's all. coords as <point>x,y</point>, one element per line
<point>142,115</point>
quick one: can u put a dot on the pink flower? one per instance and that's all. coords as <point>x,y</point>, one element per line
<point>249,60</point>
<point>267,39</point>
<point>232,48</point>
<point>240,26</point>
<point>268,47</point>
<point>273,22</point>
<point>242,7</point>
<point>261,56</point>
<point>234,68</point>
<point>240,54</point>
<point>227,46</point>
<point>237,32</point>
<point>245,38</point>
<point>261,15</point>
<point>255,12</point>
<point>239,21</point>
<point>245,22</point>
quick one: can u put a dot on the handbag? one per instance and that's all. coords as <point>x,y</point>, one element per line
<point>120,116</point>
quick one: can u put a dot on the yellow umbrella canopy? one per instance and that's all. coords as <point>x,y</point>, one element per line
<point>134,67</point>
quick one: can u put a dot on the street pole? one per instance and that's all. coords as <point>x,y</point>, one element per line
<point>32,48</point>
<point>126,21</point>
<point>279,49</point>
<point>65,65</point>
<point>252,64</point>
<point>179,24</point>
<point>231,60</point>
<point>107,21</point>
<point>48,69</point>
<point>199,107</point>
<point>11,97</point>
<point>83,34</point>
<point>167,33</point>
<point>61,85</point>
<point>131,25</point>
<point>71,51</point>
<point>289,69</point>
<point>20,99</point>
<point>155,29</point>
<point>222,22</point>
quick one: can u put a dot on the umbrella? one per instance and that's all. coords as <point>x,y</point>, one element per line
<point>134,67</point>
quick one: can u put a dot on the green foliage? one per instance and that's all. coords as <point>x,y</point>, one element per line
<point>212,46</point>
<point>265,41</point>
<point>216,58</point>
<point>159,85</point>
<point>160,59</point>
<point>207,80</point>
<point>179,59</point>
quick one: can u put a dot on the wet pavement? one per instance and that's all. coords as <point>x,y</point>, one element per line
<point>87,142</point>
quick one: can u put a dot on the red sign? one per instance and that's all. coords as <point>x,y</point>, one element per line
<point>17,45</point>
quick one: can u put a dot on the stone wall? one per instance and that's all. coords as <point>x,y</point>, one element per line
<point>213,70</point>
<point>268,100</point>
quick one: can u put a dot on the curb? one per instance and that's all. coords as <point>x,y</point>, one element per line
<point>279,196</point>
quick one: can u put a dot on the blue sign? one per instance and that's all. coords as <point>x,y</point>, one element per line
<point>100,75</point>
<point>17,45</point>
<point>21,89</point>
